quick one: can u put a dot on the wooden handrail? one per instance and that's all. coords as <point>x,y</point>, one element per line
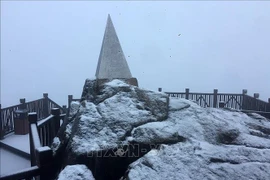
<point>41,107</point>
<point>18,105</point>
<point>55,104</point>
<point>35,136</point>
<point>259,100</point>
<point>44,121</point>
<point>175,92</point>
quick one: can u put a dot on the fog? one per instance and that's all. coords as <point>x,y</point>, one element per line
<point>54,46</point>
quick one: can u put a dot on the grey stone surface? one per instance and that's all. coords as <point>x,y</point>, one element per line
<point>161,137</point>
<point>112,63</point>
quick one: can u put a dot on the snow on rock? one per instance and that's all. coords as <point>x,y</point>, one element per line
<point>189,141</point>
<point>76,172</point>
<point>195,160</point>
<point>55,144</point>
<point>217,144</point>
<point>117,110</point>
<point>74,107</point>
<point>117,83</point>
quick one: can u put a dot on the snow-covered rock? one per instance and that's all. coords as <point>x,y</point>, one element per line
<point>105,123</point>
<point>76,172</point>
<point>197,160</point>
<point>118,126</point>
<point>219,144</point>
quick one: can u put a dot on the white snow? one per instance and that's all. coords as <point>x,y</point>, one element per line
<point>76,172</point>
<point>43,148</point>
<point>247,157</point>
<point>55,144</point>
<point>74,106</point>
<point>117,83</point>
<point>11,162</point>
<point>20,142</point>
<point>121,113</point>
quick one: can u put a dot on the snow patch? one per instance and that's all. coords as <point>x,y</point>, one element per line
<point>76,172</point>
<point>117,83</point>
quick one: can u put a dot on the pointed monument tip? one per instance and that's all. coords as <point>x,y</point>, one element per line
<point>109,18</point>
<point>112,62</point>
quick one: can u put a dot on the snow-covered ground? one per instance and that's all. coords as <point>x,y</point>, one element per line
<point>11,162</point>
<point>20,142</point>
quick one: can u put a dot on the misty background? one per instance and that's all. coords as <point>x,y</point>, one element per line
<point>54,46</point>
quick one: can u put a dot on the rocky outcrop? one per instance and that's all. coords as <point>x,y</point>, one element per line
<point>124,131</point>
<point>219,144</point>
<point>103,122</point>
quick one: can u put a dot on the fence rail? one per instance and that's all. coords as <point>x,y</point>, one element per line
<point>41,106</point>
<point>43,165</point>
<point>236,101</point>
<point>240,101</point>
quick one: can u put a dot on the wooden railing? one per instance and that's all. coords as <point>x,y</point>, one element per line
<point>41,106</point>
<point>240,101</point>
<point>235,101</point>
<point>49,126</point>
<point>41,135</point>
<point>70,99</point>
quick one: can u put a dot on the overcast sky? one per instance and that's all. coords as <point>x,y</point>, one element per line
<point>54,46</point>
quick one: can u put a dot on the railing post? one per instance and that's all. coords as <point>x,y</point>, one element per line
<point>45,163</point>
<point>215,98</point>
<point>244,92</point>
<point>64,109</point>
<point>187,93</point>
<point>55,125</point>
<point>256,95</point>
<point>1,125</point>
<point>159,89</point>
<point>70,97</point>
<point>268,108</point>
<point>45,105</point>
<point>22,105</point>
<point>32,119</point>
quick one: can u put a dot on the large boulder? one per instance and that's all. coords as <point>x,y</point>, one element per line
<point>104,123</point>
<point>119,130</point>
<point>219,144</point>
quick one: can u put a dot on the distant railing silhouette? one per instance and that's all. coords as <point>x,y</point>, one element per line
<point>41,135</point>
<point>241,102</point>
<point>41,106</point>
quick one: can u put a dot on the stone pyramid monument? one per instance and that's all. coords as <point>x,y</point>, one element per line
<point>112,63</point>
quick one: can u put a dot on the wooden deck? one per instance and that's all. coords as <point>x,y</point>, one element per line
<point>14,153</point>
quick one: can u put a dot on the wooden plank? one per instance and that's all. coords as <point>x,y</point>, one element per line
<point>36,140</point>
<point>23,174</point>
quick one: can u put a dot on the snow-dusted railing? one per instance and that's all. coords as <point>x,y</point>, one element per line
<point>236,101</point>
<point>42,160</point>
<point>70,99</point>
<point>41,106</point>
<point>210,99</point>
<point>48,127</point>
